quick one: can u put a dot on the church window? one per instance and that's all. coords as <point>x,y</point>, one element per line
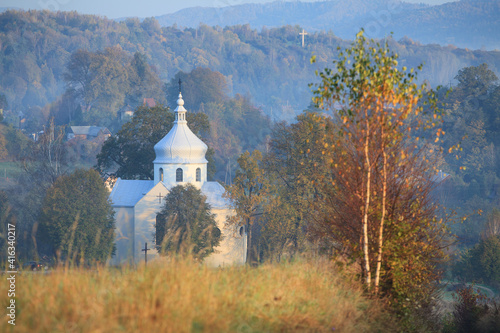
<point>178,175</point>
<point>242,230</point>
<point>198,175</point>
<point>161,174</point>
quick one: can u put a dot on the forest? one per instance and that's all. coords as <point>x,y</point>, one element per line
<point>326,151</point>
<point>37,46</point>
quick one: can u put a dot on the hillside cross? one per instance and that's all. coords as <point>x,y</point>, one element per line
<point>303,33</point>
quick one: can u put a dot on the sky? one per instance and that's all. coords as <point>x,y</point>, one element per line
<point>140,8</point>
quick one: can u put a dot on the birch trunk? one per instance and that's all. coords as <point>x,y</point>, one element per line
<point>382,220</point>
<point>367,206</point>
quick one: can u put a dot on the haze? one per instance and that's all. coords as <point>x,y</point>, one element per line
<point>145,8</point>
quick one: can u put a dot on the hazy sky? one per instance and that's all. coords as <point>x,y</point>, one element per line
<point>140,8</point>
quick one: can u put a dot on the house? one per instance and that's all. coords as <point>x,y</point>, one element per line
<point>125,112</point>
<point>87,132</point>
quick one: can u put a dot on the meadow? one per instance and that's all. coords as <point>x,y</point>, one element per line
<point>184,296</point>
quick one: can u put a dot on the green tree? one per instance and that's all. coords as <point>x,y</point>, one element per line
<point>247,194</point>
<point>42,162</point>
<point>144,82</point>
<point>130,153</point>
<point>481,263</point>
<point>99,81</point>
<point>201,85</point>
<point>475,80</point>
<point>80,77</point>
<point>295,167</point>
<point>186,225</point>
<point>77,219</point>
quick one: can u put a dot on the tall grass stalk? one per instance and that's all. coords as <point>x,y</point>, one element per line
<point>179,295</point>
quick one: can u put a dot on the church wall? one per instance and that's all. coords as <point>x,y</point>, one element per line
<point>145,220</point>
<point>189,174</point>
<point>124,217</point>
<point>232,249</point>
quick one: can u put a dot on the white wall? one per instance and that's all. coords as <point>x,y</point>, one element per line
<point>189,174</point>
<point>232,249</point>
<point>145,219</point>
<point>124,232</point>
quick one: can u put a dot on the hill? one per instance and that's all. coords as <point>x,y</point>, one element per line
<point>468,23</point>
<point>268,65</point>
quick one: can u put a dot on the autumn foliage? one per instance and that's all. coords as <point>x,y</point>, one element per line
<point>378,207</point>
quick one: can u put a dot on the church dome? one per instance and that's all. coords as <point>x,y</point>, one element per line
<point>180,145</point>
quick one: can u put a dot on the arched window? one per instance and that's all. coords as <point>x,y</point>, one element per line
<point>178,175</point>
<point>161,174</point>
<point>198,175</point>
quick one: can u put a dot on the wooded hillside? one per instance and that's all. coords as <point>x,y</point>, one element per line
<point>270,65</point>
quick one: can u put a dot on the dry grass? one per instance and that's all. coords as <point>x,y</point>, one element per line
<point>182,296</point>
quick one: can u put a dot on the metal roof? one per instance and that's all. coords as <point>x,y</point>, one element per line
<point>180,145</point>
<point>88,130</point>
<point>127,193</point>
<point>214,191</point>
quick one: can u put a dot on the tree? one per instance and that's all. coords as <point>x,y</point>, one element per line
<point>295,167</point>
<point>379,207</point>
<point>201,85</point>
<point>144,82</point>
<point>77,218</point>
<point>247,193</point>
<point>79,76</point>
<point>130,153</point>
<point>42,162</point>
<point>475,80</point>
<point>186,225</point>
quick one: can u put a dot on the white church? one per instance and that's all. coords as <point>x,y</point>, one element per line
<point>180,159</point>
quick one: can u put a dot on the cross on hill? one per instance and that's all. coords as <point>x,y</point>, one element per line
<point>303,33</point>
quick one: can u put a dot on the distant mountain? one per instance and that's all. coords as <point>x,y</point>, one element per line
<point>469,23</point>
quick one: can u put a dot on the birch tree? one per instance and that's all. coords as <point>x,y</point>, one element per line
<point>377,160</point>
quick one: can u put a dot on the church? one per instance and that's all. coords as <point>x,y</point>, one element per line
<point>180,159</point>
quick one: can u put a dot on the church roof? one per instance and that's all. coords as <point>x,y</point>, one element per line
<point>88,130</point>
<point>180,145</point>
<point>126,193</point>
<point>214,191</point>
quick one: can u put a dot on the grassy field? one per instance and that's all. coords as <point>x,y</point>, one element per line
<point>183,296</point>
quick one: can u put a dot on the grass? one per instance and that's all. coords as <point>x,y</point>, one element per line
<point>182,296</point>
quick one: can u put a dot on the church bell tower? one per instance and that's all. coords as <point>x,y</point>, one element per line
<point>180,155</point>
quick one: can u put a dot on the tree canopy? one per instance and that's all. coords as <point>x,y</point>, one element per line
<point>38,44</point>
<point>186,225</point>
<point>77,219</point>
<point>201,85</point>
